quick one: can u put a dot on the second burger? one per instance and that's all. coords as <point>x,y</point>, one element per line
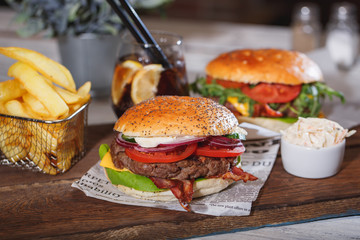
<point>267,87</point>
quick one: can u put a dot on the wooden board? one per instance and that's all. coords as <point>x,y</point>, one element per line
<point>39,205</point>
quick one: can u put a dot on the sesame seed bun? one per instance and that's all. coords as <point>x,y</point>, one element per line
<point>176,116</point>
<point>264,65</point>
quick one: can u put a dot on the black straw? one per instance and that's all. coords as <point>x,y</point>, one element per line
<point>127,22</point>
<point>142,36</point>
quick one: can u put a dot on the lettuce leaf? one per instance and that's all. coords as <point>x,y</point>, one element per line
<point>306,104</point>
<point>103,149</point>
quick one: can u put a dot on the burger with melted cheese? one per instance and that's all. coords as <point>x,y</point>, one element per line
<point>175,148</point>
<point>267,87</point>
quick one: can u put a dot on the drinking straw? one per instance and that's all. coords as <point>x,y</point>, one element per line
<point>138,29</point>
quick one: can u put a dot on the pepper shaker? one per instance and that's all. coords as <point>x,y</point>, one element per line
<point>342,39</point>
<point>306,29</point>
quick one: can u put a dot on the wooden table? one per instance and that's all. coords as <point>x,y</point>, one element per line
<point>35,205</point>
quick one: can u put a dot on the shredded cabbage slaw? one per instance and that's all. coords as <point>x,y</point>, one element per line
<point>316,133</point>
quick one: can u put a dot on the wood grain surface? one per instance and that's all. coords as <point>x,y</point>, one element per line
<point>35,205</point>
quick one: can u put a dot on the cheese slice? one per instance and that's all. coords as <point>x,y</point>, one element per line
<point>107,162</point>
<point>242,108</point>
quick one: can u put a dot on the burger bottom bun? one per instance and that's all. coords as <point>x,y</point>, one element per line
<point>271,124</point>
<point>201,188</point>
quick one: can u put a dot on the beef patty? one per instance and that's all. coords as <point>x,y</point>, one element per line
<point>190,168</point>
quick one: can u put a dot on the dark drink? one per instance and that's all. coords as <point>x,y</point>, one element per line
<point>137,77</point>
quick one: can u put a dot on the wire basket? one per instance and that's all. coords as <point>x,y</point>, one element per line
<point>50,147</point>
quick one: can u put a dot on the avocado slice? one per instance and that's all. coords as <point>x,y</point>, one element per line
<point>132,180</point>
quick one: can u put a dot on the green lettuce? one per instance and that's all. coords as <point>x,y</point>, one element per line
<point>306,104</point>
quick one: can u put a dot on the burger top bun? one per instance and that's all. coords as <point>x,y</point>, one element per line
<point>176,116</point>
<point>264,65</point>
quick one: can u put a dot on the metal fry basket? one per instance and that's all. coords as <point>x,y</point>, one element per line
<point>50,147</point>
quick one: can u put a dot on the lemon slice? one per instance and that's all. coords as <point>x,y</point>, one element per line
<point>123,74</point>
<point>145,82</point>
<point>132,64</point>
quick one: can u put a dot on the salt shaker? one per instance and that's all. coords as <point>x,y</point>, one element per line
<point>306,29</point>
<point>342,39</point>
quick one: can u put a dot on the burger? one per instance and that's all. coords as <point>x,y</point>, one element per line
<point>267,87</point>
<point>175,148</point>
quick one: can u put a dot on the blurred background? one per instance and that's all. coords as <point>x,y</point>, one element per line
<point>269,12</point>
<point>208,28</point>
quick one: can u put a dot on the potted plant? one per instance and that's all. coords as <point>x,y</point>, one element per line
<point>87,33</point>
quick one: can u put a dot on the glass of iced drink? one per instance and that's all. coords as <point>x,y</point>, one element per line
<point>140,73</point>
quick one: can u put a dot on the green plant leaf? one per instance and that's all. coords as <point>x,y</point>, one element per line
<point>70,17</point>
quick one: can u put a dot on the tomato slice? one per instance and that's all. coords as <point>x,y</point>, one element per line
<point>160,157</point>
<point>220,152</point>
<point>272,93</point>
<point>263,92</point>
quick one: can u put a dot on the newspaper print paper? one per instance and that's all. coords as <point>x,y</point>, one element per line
<point>236,200</point>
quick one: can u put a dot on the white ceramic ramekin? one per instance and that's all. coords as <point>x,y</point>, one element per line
<point>309,162</point>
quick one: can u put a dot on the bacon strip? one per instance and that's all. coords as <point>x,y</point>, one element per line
<point>264,110</point>
<point>271,112</point>
<point>237,174</point>
<point>182,189</point>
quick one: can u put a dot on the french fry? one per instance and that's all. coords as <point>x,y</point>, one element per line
<point>2,108</point>
<point>68,97</point>
<point>64,132</point>
<point>35,115</point>
<point>84,90</point>
<point>11,89</point>
<point>41,160</point>
<point>36,106</point>
<point>74,107</point>
<point>14,152</point>
<point>16,108</point>
<point>41,89</point>
<point>49,68</point>
<point>13,144</point>
<point>65,155</point>
<point>11,127</point>
<point>43,139</point>
<point>35,84</point>
<point>68,75</point>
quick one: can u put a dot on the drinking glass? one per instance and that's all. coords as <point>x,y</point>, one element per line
<point>134,58</point>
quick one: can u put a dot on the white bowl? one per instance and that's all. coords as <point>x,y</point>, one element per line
<point>309,162</point>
